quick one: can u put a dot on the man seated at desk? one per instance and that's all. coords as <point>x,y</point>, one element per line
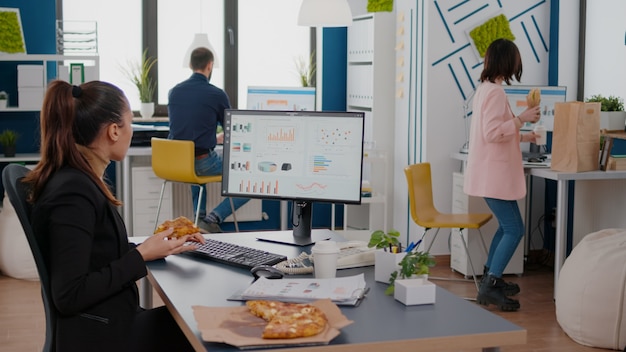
<point>195,109</point>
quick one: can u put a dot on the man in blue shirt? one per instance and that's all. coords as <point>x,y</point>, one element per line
<point>195,109</point>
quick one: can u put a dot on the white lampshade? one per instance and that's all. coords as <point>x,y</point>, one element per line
<point>325,13</point>
<point>200,40</point>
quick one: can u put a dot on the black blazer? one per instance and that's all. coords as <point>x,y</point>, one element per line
<point>92,266</point>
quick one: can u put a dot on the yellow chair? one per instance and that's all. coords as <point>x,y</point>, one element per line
<point>424,213</point>
<point>173,161</point>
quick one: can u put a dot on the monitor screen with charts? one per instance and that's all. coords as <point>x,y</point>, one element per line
<point>301,156</point>
<point>549,95</point>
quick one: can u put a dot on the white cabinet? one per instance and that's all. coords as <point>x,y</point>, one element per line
<point>370,81</point>
<point>462,203</point>
<point>146,189</point>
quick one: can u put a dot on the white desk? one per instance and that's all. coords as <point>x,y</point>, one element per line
<point>563,179</point>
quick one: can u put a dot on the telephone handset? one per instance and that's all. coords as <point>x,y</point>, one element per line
<point>352,254</point>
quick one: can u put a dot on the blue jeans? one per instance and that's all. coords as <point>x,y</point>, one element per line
<point>211,165</point>
<point>509,234</point>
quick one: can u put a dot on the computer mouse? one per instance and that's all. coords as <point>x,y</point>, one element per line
<point>266,271</point>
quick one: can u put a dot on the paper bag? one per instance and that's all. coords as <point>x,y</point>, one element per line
<point>576,137</point>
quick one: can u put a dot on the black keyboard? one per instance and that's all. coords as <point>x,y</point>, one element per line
<point>235,255</point>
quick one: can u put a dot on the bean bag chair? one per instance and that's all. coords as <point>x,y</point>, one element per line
<point>591,288</point>
<point>16,260</point>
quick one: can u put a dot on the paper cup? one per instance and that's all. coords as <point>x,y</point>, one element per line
<point>325,255</point>
<point>542,135</point>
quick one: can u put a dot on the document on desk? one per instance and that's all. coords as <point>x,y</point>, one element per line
<point>341,290</point>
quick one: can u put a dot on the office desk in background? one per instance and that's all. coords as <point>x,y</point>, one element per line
<point>562,179</point>
<point>380,323</point>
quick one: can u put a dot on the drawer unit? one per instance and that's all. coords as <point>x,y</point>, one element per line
<point>146,189</point>
<point>462,203</point>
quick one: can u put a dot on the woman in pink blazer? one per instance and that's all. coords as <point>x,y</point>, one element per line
<point>494,166</point>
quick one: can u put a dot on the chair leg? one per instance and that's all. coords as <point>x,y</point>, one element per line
<point>156,221</point>
<point>232,208</point>
<point>469,258</point>
<point>199,204</point>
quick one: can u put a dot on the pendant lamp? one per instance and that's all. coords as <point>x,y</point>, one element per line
<point>325,13</point>
<point>200,40</point>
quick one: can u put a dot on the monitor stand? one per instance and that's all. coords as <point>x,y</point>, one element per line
<point>302,234</point>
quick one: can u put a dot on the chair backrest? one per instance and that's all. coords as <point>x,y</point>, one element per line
<point>17,193</point>
<point>173,160</point>
<point>420,186</point>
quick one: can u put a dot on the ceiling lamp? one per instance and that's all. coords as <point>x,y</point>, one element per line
<point>200,40</point>
<point>325,13</point>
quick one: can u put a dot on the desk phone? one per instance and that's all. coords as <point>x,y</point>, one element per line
<point>352,254</point>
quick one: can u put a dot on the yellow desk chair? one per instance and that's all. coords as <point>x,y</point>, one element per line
<point>173,161</point>
<point>425,214</point>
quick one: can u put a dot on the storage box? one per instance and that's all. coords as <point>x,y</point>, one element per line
<point>30,98</point>
<point>386,263</point>
<point>30,76</point>
<point>414,291</point>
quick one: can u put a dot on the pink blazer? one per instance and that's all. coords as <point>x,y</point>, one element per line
<point>494,163</point>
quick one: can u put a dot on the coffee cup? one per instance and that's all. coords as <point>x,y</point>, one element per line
<point>325,255</point>
<point>542,135</point>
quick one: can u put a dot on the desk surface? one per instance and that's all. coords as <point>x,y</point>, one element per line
<point>380,322</point>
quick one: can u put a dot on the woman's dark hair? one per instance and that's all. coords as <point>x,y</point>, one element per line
<point>74,115</point>
<point>502,60</point>
<point>200,57</point>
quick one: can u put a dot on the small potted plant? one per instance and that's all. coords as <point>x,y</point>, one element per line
<point>4,98</point>
<point>388,255</point>
<point>139,75</point>
<point>8,139</point>
<point>413,264</point>
<point>612,114</point>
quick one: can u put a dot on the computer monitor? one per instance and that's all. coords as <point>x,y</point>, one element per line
<point>301,156</point>
<point>516,94</point>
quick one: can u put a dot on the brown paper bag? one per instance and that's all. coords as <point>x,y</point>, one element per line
<point>576,137</point>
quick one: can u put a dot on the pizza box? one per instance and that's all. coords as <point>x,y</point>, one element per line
<point>237,327</point>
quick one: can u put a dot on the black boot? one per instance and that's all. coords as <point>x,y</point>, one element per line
<point>492,292</point>
<point>510,288</point>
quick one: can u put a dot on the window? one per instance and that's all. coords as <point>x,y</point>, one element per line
<point>268,41</point>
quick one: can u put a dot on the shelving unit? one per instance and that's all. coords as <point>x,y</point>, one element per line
<point>45,59</point>
<point>376,205</point>
<point>370,76</point>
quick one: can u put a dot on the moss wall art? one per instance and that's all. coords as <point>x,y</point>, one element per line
<point>11,37</point>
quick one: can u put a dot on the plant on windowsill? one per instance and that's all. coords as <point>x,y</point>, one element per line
<point>8,139</point>
<point>139,75</point>
<point>306,71</point>
<point>612,113</point>
<point>414,264</point>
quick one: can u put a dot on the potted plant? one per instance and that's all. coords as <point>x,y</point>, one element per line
<point>139,75</point>
<point>612,114</point>
<point>388,255</point>
<point>306,71</point>
<point>8,139</point>
<point>413,264</point>
<point>4,98</point>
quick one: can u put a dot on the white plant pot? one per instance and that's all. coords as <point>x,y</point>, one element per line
<point>386,263</point>
<point>147,110</point>
<point>3,104</point>
<point>612,120</point>
<point>414,291</point>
